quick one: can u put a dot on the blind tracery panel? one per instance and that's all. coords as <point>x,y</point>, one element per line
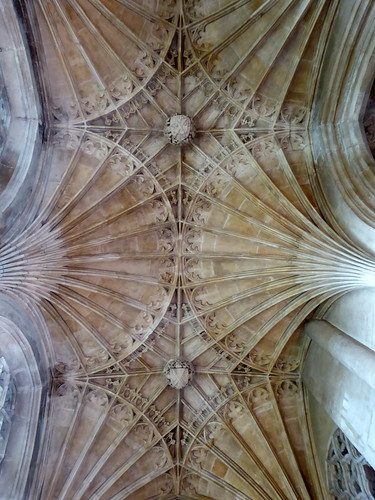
<point>349,474</point>
<point>7,402</point>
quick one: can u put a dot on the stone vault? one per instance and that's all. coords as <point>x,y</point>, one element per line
<point>178,245</point>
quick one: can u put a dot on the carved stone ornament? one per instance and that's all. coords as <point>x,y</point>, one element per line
<point>349,474</point>
<point>179,373</point>
<point>179,129</point>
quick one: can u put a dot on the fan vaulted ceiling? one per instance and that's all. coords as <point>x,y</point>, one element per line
<point>211,252</point>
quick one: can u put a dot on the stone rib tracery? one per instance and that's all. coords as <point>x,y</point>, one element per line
<point>212,251</point>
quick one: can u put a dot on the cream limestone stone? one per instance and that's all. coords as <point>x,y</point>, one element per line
<point>141,244</point>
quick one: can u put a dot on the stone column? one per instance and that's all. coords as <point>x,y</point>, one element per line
<point>358,358</point>
<point>339,372</point>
